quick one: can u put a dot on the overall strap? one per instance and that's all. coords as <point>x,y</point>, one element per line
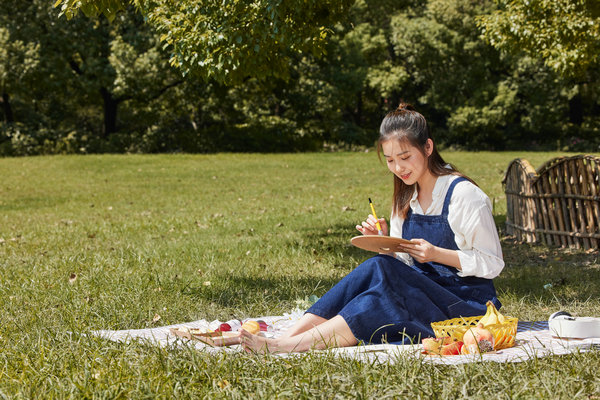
<point>449,195</point>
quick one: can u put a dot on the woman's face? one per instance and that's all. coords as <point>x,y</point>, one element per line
<point>406,161</point>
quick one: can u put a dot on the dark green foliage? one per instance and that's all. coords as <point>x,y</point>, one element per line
<point>230,40</point>
<point>564,34</point>
<point>89,85</point>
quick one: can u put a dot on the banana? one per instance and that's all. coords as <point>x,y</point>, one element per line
<point>488,314</point>
<point>502,338</point>
<point>491,315</point>
<point>501,318</point>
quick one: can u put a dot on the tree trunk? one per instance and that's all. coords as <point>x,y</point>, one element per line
<point>358,116</point>
<point>8,113</point>
<point>576,112</point>
<point>110,113</point>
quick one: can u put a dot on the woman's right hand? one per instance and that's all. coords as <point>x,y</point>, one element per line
<point>369,227</point>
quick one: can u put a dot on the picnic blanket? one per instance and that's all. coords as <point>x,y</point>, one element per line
<point>533,340</point>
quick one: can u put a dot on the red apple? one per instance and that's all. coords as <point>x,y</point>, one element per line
<point>451,349</point>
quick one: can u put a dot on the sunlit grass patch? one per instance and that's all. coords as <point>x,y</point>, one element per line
<point>119,242</point>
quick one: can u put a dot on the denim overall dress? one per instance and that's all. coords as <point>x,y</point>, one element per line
<point>385,300</point>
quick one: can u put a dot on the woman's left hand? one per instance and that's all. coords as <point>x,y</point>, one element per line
<point>421,250</point>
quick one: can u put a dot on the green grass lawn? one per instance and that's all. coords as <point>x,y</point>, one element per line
<point>115,242</point>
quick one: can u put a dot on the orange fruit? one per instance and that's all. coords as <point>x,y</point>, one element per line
<point>251,326</point>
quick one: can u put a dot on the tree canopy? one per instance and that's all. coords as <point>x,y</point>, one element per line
<point>565,34</point>
<point>81,85</point>
<point>230,40</point>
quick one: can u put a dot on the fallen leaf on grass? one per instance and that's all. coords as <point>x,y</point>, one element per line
<point>223,384</point>
<point>156,318</point>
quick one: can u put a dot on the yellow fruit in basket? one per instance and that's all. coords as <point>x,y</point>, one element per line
<point>492,316</point>
<point>501,318</point>
<point>504,330</point>
<point>251,326</point>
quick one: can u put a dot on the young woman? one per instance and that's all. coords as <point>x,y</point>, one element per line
<point>447,269</point>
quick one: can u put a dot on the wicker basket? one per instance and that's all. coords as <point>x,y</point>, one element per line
<point>504,334</point>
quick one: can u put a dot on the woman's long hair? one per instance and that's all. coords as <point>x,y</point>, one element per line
<point>404,123</point>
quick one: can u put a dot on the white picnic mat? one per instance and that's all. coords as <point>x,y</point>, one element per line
<point>533,340</point>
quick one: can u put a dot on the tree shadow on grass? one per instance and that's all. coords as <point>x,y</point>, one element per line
<point>240,288</point>
<point>329,244</point>
<point>335,239</point>
<point>263,293</point>
<point>544,272</point>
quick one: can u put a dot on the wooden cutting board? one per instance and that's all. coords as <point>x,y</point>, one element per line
<point>216,339</point>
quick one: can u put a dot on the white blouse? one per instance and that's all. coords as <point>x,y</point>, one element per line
<point>470,218</point>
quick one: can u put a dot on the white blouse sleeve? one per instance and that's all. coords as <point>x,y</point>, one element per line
<point>471,220</point>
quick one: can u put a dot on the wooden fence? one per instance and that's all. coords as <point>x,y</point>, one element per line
<point>559,204</point>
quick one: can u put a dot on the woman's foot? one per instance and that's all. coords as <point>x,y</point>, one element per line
<point>257,344</point>
<point>332,333</point>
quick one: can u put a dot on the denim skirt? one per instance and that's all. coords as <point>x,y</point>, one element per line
<point>384,300</point>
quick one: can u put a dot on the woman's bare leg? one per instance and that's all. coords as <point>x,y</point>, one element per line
<point>331,333</point>
<point>306,322</point>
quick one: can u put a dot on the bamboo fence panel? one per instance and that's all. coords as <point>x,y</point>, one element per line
<point>561,210</point>
<point>594,190</point>
<point>519,201</point>
<point>558,204</point>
